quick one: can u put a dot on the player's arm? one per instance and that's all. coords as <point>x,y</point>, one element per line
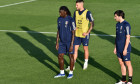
<point>57,40</point>
<point>73,35</point>
<point>72,41</point>
<point>126,45</point>
<point>57,37</point>
<point>91,27</point>
<point>127,39</point>
<point>115,51</point>
<point>90,17</point>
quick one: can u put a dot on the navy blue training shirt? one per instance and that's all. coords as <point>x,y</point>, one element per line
<point>122,29</point>
<point>88,16</point>
<point>65,27</point>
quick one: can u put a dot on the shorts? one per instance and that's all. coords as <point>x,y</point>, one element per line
<point>124,58</point>
<point>84,41</point>
<point>64,48</point>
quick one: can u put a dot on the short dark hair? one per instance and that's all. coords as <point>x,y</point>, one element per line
<point>65,9</point>
<point>79,1</point>
<point>120,13</point>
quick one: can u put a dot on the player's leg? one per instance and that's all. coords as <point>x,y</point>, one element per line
<point>130,71</point>
<point>86,54</point>
<point>75,55</point>
<point>85,42</point>
<point>123,69</point>
<point>71,66</point>
<point>77,42</point>
<point>61,51</point>
<point>129,66</point>
<point>71,56</point>
<point>61,61</point>
<point>76,52</point>
<point>61,66</point>
<point>71,61</point>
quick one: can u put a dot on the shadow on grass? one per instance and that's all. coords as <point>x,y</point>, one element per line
<point>47,41</point>
<point>111,39</point>
<point>33,51</point>
<point>98,66</point>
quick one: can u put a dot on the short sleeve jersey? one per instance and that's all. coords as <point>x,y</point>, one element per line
<point>122,29</point>
<point>65,27</point>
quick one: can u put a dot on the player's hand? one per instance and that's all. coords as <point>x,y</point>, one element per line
<point>85,34</point>
<point>115,52</point>
<point>125,52</point>
<point>57,46</point>
<point>71,49</point>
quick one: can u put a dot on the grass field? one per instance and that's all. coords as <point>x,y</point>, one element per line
<point>31,58</point>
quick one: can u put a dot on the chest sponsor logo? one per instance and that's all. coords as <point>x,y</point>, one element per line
<point>121,29</point>
<point>66,23</point>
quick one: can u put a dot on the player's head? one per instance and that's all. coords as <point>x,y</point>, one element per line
<point>119,14</point>
<point>64,11</point>
<point>79,4</point>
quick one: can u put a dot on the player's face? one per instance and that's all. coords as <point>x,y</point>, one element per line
<point>79,5</point>
<point>62,13</point>
<point>117,18</point>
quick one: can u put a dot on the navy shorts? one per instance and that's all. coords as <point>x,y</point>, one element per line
<point>64,48</point>
<point>124,58</point>
<point>84,41</point>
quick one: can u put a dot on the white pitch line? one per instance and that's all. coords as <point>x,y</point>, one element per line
<point>27,31</point>
<point>56,33</point>
<point>17,3</point>
<point>102,35</point>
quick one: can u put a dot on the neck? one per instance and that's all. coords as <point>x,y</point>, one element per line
<point>82,8</point>
<point>65,16</point>
<point>121,20</point>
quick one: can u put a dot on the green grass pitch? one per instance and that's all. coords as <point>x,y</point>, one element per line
<point>31,58</point>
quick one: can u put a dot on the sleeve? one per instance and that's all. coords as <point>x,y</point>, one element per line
<point>72,24</point>
<point>58,27</point>
<point>128,29</point>
<point>89,16</point>
<point>74,16</point>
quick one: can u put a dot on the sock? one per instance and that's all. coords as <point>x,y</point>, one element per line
<point>86,60</point>
<point>61,71</point>
<point>130,79</point>
<point>71,72</point>
<point>123,77</point>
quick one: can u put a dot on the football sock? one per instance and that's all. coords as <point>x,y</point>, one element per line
<point>86,60</point>
<point>130,79</point>
<point>71,72</point>
<point>123,77</point>
<point>61,71</point>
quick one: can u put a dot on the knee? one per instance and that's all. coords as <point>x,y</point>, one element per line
<point>71,57</point>
<point>60,56</point>
<point>128,64</point>
<point>121,64</point>
<point>85,48</point>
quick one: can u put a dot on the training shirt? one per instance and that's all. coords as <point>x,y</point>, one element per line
<point>88,15</point>
<point>122,29</point>
<point>65,27</point>
<point>82,19</point>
